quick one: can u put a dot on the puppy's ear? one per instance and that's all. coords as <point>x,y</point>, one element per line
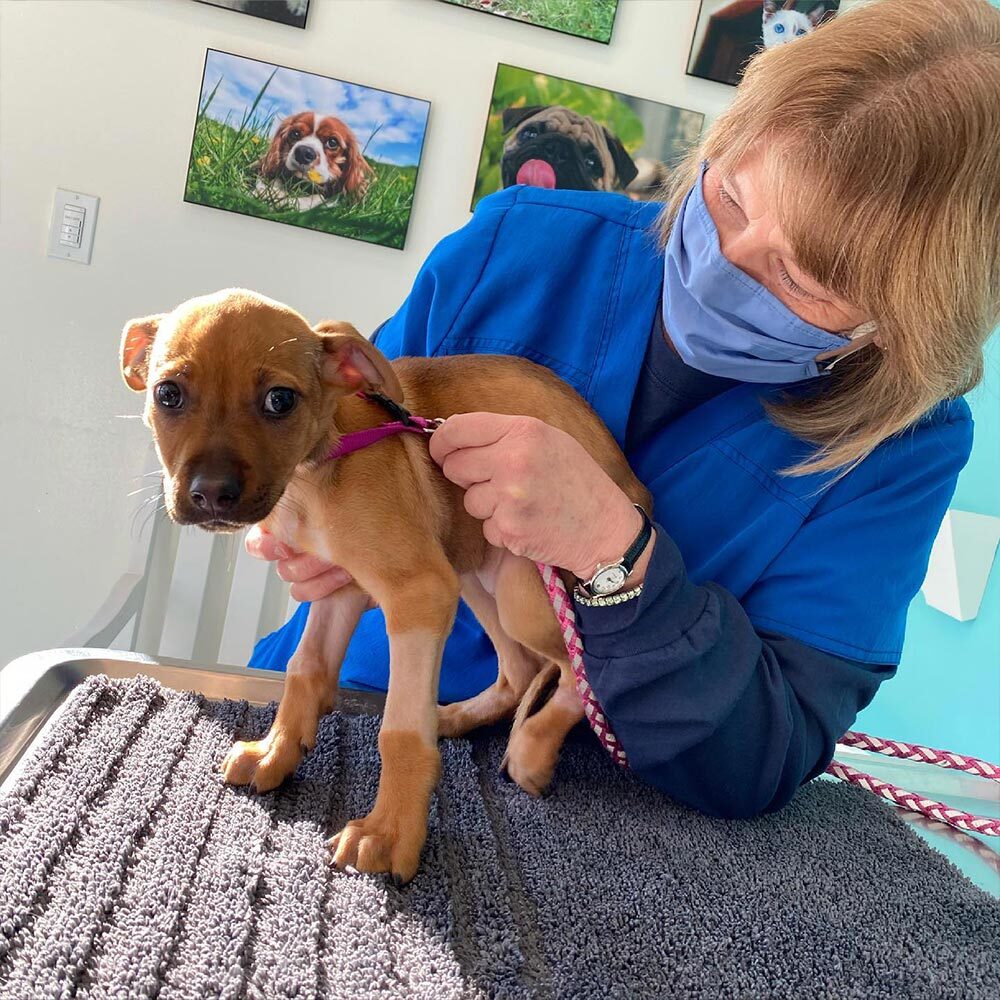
<point>357,171</point>
<point>352,364</point>
<point>137,342</point>
<point>271,163</point>
<point>625,168</point>
<point>512,117</point>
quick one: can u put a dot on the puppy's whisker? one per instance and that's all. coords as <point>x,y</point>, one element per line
<point>142,489</point>
<point>291,340</point>
<point>148,506</point>
<point>128,416</point>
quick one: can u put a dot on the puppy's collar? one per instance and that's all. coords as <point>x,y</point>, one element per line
<point>404,422</point>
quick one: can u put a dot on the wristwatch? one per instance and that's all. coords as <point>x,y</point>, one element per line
<point>609,578</point>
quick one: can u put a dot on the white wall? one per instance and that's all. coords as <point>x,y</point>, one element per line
<point>99,96</point>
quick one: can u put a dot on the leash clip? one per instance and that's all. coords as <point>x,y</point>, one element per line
<point>431,424</point>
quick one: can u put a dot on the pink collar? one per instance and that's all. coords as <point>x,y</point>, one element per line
<point>407,422</point>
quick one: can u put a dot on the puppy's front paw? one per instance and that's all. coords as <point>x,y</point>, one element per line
<point>264,764</point>
<point>378,843</point>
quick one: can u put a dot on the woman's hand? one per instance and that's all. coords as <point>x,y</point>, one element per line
<point>311,578</point>
<point>538,492</point>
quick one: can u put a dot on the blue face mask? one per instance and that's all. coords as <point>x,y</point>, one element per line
<point>722,321</point>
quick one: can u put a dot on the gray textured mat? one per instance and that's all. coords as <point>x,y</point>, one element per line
<point>128,870</point>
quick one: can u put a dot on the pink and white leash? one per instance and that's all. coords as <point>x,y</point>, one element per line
<point>938,811</point>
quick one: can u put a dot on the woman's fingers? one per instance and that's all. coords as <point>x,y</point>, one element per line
<point>301,567</point>
<point>311,578</point>
<point>318,587</point>
<point>468,430</point>
<point>262,544</point>
<point>472,465</point>
<point>481,500</point>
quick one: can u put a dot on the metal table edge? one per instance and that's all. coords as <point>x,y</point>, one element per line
<point>47,678</point>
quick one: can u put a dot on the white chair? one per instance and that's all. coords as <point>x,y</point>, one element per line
<point>188,595</point>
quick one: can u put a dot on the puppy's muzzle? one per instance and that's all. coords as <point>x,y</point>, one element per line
<point>304,155</point>
<point>216,493</point>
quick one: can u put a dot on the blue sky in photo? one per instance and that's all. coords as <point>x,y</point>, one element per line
<point>403,119</point>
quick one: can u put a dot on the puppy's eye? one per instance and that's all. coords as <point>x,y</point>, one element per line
<point>295,135</point>
<point>280,401</point>
<point>169,395</point>
<point>528,132</point>
<point>332,143</point>
<point>593,163</point>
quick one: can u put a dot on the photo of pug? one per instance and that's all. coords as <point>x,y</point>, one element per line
<point>555,147</point>
<point>549,132</point>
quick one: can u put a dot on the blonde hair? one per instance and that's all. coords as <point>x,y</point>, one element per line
<point>882,130</point>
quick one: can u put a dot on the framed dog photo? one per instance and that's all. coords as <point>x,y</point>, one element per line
<point>292,12</point>
<point>729,33</point>
<point>308,150</point>
<point>593,19</point>
<point>549,132</point>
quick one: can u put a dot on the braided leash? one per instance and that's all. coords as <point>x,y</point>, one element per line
<point>563,607</point>
<point>957,818</point>
<point>937,811</point>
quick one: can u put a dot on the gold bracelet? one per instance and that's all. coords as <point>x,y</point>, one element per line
<point>608,600</point>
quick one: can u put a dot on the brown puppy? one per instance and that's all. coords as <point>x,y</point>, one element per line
<point>245,401</point>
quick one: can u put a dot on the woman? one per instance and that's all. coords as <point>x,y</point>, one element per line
<point>784,368</point>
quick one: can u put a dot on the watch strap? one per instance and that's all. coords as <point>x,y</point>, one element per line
<point>636,549</point>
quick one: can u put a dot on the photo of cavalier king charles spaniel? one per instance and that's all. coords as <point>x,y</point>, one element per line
<point>320,150</point>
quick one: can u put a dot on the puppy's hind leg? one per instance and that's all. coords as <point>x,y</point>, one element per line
<point>310,691</point>
<point>516,668</point>
<point>550,708</point>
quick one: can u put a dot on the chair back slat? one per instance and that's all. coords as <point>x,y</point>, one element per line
<point>276,605</point>
<point>251,580</point>
<point>216,598</point>
<point>186,593</point>
<point>159,571</point>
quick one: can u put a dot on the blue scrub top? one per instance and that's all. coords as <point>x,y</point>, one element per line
<point>572,281</point>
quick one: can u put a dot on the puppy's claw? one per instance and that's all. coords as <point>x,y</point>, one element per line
<point>376,844</point>
<point>262,764</point>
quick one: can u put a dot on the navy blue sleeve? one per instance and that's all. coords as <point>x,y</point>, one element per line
<point>726,718</point>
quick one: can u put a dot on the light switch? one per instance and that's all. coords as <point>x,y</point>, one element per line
<point>71,232</point>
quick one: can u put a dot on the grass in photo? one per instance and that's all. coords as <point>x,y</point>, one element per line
<point>306,150</point>
<point>593,19</point>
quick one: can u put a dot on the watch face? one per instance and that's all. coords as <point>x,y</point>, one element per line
<point>609,581</point>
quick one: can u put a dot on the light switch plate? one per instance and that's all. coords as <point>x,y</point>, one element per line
<point>71,232</point>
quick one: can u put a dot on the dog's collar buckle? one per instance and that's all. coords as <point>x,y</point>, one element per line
<point>395,410</point>
<point>405,421</point>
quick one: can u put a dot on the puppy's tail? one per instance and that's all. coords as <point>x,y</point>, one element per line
<point>539,691</point>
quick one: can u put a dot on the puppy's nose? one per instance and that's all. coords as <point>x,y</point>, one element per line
<point>304,155</point>
<point>215,494</point>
